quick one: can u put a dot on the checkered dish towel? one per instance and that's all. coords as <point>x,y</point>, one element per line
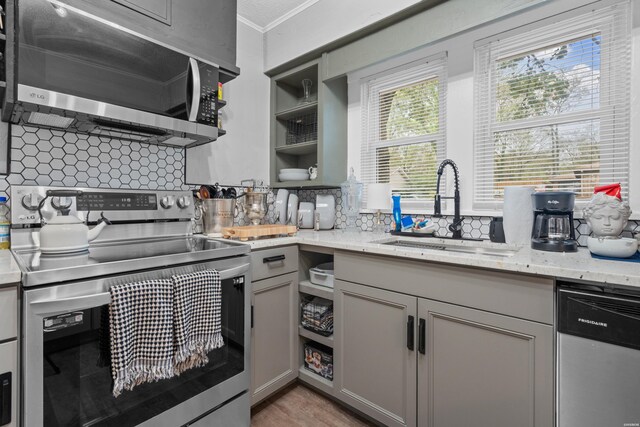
<point>197,313</point>
<point>141,326</point>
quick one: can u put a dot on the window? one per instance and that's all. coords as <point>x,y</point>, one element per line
<point>404,125</point>
<point>552,107</point>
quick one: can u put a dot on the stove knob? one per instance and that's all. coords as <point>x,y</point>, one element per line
<point>167,201</point>
<point>61,203</point>
<point>31,201</point>
<point>183,202</point>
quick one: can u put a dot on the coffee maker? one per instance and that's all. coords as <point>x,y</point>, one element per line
<point>553,222</point>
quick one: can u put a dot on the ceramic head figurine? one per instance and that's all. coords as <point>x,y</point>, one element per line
<point>606,215</point>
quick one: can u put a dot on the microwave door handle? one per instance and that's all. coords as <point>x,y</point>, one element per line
<point>70,304</point>
<point>192,109</point>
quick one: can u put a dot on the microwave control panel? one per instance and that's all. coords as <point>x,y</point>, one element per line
<point>207,113</point>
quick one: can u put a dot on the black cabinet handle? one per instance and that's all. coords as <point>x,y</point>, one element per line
<point>410,327</point>
<point>5,409</point>
<point>251,317</point>
<point>273,258</point>
<point>422,338</point>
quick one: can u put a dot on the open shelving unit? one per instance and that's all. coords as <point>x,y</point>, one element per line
<point>308,257</point>
<point>306,133</point>
<point>7,64</point>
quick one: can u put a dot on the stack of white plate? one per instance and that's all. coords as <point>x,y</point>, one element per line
<point>293,175</point>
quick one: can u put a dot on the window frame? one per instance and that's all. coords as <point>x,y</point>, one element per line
<point>487,56</point>
<point>371,88</point>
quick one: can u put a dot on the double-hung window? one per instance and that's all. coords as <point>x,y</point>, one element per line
<point>553,106</point>
<point>403,119</point>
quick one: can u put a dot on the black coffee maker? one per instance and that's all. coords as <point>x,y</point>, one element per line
<point>553,222</point>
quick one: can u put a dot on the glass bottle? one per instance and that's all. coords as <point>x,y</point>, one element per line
<point>5,224</point>
<point>351,200</point>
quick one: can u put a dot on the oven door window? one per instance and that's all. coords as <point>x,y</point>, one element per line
<point>77,375</point>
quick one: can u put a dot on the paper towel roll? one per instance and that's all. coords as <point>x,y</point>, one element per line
<point>517,214</point>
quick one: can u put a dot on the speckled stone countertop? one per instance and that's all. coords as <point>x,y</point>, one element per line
<point>9,270</point>
<point>579,265</point>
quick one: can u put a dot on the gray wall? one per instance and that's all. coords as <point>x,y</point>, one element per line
<point>244,151</point>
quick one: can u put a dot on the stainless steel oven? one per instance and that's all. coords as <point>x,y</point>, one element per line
<point>79,72</point>
<point>67,378</point>
<point>65,340</point>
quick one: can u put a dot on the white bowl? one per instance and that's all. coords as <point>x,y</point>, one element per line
<point>294,170</point>
<point>290,176</point>
<point>623,247</point>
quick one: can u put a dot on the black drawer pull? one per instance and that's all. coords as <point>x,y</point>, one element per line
<point>273,258</point>
<point>422,326</point>
<point>5,398</point>
<point>410,327</point>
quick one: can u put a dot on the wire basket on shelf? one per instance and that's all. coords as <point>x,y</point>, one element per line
<point>317,316</point>
<point>302,128</point>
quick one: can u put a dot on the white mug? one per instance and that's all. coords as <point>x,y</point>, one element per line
<point>313,172</point>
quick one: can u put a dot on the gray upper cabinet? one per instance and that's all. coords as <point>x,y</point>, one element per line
<point>375,369</point>
<point>483,369</point>
<point>202,28</point>
<point>309,131</point>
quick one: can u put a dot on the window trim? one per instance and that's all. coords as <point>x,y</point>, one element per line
<point>553,33</point>
<point>438,70</point>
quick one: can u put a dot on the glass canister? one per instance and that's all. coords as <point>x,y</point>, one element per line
<point>351,200</point>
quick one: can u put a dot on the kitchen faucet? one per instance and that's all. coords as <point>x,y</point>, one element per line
<point>456,226</point>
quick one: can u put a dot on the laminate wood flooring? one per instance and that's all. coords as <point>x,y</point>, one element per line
<point>299,406</point>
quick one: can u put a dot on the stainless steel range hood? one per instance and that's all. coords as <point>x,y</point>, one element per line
<point>80,73</point>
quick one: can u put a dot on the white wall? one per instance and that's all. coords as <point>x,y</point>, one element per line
<point>460,100</point>
<point>243,152</point>
<point>322,23</point>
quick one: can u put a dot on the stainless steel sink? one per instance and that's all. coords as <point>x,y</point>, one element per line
<point>449,247</point>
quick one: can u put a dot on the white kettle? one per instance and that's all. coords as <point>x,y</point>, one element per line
<point>66,233</point>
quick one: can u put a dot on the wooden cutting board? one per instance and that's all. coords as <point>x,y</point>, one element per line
<point>247,232</point>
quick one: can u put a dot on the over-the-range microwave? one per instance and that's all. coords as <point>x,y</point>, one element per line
<point>77,72</point>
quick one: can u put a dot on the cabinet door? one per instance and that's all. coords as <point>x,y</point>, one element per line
<point>483,369</point>
<point>375,371</point>
<point>274,335</point>
<point>9,377</point>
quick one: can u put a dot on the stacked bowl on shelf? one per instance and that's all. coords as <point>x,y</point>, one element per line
<point>293,174</point>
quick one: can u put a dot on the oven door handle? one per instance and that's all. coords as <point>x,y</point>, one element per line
<point>96,300</point>
<point>234,271</point>
<point>70,304</point>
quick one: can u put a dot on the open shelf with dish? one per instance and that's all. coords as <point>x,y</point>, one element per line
<point>308,127</point>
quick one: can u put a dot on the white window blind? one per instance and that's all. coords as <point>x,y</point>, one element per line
<point>553,107</point>
<point>403,123</point>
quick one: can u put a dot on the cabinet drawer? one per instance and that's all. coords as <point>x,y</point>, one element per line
<point>273,262</point>
<point>9,313</point>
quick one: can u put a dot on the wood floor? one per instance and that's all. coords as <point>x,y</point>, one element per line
<point>299,406</point>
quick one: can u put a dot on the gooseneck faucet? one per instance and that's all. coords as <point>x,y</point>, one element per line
<point>456,226</point>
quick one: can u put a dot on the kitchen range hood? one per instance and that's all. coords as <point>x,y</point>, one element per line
<point>77,72</point>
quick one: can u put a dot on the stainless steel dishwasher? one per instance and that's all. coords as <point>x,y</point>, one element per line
<point>598,357</point>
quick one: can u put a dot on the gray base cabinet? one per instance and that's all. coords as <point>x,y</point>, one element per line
<point>374,366</point>
<point>483,369</point>
<point>274,344</point>
<point>407,359</point>
<point>274,333</point>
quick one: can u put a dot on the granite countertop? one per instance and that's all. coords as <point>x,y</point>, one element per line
<point>578,265</point>
<point>9,270</point>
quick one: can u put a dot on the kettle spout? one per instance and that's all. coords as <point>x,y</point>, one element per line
<point>95,231</point>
